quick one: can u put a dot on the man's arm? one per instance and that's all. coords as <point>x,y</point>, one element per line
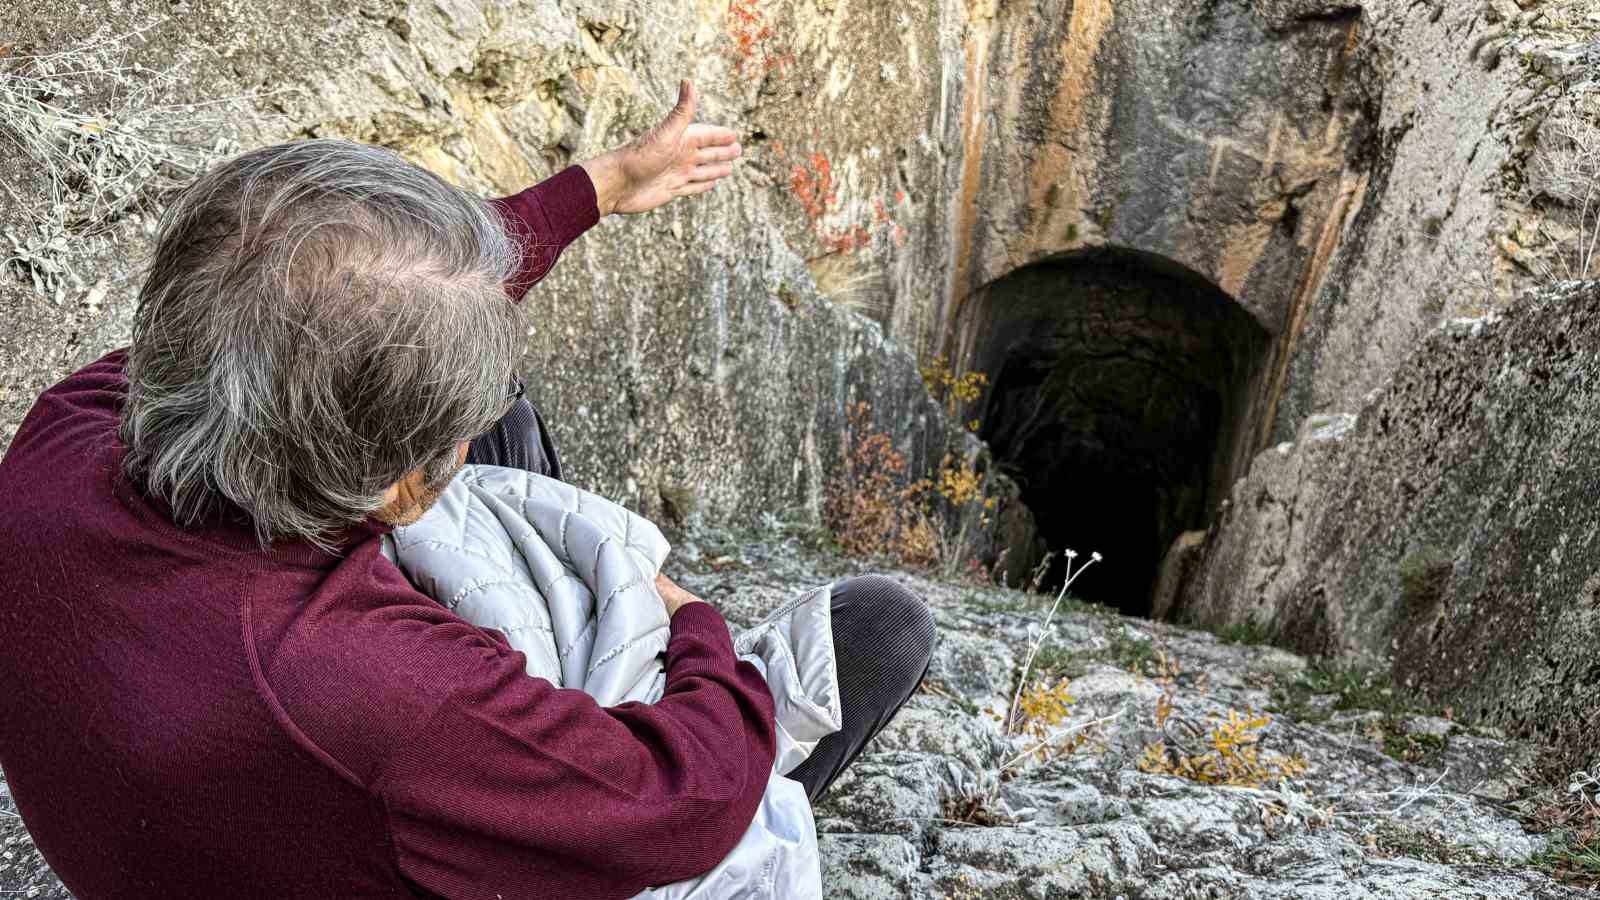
<point>543,220</point>
<point>513,786</point>
<point>677,158</point>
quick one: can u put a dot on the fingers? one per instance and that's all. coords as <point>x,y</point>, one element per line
<point>702,135</point>
<point>711,172</point>
<point>695,187</point>
<point>717,154</point>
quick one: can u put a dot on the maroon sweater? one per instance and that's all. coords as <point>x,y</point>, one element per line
<point>186,714</point>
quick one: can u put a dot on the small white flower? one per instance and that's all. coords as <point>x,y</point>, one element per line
<point>1072,554</point>
<point>1096,556</point>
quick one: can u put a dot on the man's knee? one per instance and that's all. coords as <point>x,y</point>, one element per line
<point>880,605</point>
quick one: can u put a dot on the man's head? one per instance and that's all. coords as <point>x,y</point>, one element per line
<point>322,321</point>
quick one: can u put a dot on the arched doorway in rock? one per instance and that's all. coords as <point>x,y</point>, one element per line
<point>1120,385</point>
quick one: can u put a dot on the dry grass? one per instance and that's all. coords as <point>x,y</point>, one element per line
<point>1569,174</point>
<point>96,128</point>
<point>1573,819</point>
<point>845,282</point>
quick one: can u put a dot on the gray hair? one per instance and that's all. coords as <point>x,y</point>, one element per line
<point>320,319</point>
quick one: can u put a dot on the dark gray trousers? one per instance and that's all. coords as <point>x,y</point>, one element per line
<point>882,633</point>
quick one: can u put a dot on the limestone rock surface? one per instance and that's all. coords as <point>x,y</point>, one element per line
<point>925,811</point>
<point>1449,527</point>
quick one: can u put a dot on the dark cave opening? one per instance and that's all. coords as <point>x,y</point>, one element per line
<point>1119,391</point>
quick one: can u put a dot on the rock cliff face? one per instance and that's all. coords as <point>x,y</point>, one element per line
<point>1450,526</point>
<point>684,354</point>
<point>1347,175</point>
<point>687,355</point>
<point>1422,507</point>
<point>903,157</point>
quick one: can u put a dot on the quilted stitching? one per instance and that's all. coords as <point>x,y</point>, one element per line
<point>470,590</point>
<point>502,547</point>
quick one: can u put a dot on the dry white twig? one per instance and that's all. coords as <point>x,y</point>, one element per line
<point>1412,795</point>
<point>97,128</point>
<point>1570,175</point>
<point>1056,735</point>
<point>1044,634</point>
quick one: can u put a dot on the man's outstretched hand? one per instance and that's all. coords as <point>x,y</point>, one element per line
<point>674,159</point>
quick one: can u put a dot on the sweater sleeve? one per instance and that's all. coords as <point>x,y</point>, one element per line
<point>514,784</point>
<point>543,220</point>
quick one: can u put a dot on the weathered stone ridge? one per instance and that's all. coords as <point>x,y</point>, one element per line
<point>925,811</point>
<point>1450,529</point>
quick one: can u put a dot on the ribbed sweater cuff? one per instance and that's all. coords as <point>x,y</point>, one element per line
<point>570,204</point>
<point>698,623</point>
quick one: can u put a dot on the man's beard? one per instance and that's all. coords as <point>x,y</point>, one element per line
<point>424,500</point>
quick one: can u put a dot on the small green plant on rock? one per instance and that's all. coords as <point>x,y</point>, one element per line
<point>1056,661</point>
<point>1136,655</point>
<point>1573,822</point>
<point>1340,688</point>
<point>1572,857</point>
<point>1419,748</point>
<point>1326,688</point>
<point>1391,839</point>
<point>1141,657</point>
<point>1423,573</point>
<point>1249,633</point>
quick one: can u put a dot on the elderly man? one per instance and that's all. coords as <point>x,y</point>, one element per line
<point>215,683</point>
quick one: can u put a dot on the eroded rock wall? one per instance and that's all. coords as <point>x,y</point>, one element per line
<point>685,354</point>
<point>1351,173</point>
<point>1222,135</point>
<point>1446,210</point>
<point>1422,505</point>
<point>1212,132</point>
<point>1451,528</point>
<point>1321,161</point>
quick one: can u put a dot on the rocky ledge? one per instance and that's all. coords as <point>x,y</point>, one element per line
<point>1394,801</point>
<point>1380,799</point>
